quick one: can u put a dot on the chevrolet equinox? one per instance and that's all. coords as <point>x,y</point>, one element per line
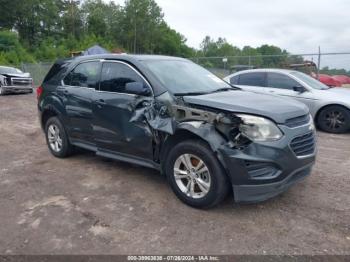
<point>170,114</point>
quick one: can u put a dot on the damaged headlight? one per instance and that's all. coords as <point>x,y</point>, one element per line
<point>259,129</point>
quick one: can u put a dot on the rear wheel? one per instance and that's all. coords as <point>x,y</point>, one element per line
<point>334,119</point>
<point>57,139</point>
<point>195,174</point>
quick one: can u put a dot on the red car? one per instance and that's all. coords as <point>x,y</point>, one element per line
<point>344,80</point>
<point>329,81</point>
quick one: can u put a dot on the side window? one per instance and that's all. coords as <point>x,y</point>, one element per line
<point>116,75</point>
<point>252,79</point>
<point>84,75</point>
<point>234,80</point>
<point>280,81</point>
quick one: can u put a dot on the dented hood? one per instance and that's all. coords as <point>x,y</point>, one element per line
<point>275,108</point>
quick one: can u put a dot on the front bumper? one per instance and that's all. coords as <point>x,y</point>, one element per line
<point>263,170</point>
<point>17,89</point>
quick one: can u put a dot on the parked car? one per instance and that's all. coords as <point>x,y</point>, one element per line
<point>329,81</point>
<point>330,107</point>
<point>174,116</point>
<point>343,79</point>
<point>13,80</point>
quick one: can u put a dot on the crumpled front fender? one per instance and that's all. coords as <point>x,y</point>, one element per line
<point>208,133</point>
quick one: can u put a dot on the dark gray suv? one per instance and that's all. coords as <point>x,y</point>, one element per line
<point>166,113</point>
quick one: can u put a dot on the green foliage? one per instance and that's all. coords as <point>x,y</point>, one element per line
<point>44,30</point>
<point>51,29</point>
<point>11,51</point>
<point>332,71</point>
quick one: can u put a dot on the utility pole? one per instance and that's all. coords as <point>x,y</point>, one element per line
<point>319,63</point>
<point>135,32</point>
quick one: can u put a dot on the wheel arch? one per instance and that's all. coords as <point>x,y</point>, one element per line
<point>47,114</point>
<point>191,130</point>
<point>51,106</point>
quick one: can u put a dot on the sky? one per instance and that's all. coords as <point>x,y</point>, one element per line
<point>299,26</point>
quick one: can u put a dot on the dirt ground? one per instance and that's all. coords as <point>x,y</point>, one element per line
<point>89,205</point>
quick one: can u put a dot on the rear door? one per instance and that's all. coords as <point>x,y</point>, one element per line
<point>113,109</point>
<point>76,92</point>
<point>253,81</point>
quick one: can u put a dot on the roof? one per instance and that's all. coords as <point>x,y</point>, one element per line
<point>266,70</point>
<point>128,57</point>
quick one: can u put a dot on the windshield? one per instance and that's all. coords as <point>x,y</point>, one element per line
<point>9,70</point>
<point>185,77</point>
<point>312,82</point>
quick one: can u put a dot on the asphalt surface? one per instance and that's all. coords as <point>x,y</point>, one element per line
<point>90,205</point>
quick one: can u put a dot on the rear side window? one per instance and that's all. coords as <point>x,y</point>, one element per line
<point>252,79</point>
<point>116,75</point>
<point>84,75</point>
<point>234,80</point>
<point>56,72</point>
<point>276,80</point>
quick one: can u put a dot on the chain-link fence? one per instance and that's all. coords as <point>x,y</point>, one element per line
<point>223,66</point>
<point>307,63</point>
<point>38,71</point>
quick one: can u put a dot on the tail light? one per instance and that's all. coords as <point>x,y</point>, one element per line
<point>39,92</point>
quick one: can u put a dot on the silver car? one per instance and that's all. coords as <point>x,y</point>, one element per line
<point>330,107</point>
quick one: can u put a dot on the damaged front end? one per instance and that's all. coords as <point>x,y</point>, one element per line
<point>163,120</point>
<point>255,152</point>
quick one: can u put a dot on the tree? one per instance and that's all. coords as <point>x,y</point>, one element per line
<point>274,56</point>
<point>71,18</point>
<point>141,21</point>
<point>11,51</point>
<point>9,12</point>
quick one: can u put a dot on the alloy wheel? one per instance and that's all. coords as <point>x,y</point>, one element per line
<point>334,120</point>
<point>54,138</point>
<point>192,176</point>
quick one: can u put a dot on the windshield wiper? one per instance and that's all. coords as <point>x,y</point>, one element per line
<point>191,94</point>
<point>223,89</point>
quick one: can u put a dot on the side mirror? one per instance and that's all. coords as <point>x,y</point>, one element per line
<point>299,89</point>
<point>137,88</point>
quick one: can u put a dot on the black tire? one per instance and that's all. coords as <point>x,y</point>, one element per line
<point>66,148</point>
<point>219,186</point>
<point>334,119</point>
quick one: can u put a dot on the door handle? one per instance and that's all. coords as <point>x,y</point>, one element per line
<point>100,103</point>
<point>62,90</point>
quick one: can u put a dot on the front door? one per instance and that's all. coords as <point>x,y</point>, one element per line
<point>283,85</point>
<point>77,91</point>
<point>113,109</point>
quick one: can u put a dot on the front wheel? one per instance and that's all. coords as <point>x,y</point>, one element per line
<point>195,175</point>
<point>334,119</point>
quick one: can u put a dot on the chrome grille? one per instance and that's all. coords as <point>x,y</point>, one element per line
<point>21,81</point>
<point>298,121</point>
<point>304,145</point>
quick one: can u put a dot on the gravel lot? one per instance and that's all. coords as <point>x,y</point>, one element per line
<point>90,205</point>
